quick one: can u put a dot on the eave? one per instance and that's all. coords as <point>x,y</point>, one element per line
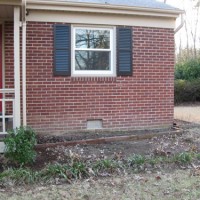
<point>58,5</point>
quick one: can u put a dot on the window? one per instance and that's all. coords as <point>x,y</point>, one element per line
<point>93,51</point>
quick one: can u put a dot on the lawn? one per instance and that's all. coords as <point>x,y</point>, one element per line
<point>179,184</point>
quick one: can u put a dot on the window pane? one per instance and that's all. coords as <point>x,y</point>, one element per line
<point>92,39</point>
<point>92,60</point>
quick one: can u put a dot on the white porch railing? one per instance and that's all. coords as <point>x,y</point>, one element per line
<point>4,118</point>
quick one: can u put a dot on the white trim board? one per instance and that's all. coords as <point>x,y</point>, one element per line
<point>100,19</point>
<point>17,110</point>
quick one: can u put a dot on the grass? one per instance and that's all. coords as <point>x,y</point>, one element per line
<point>176,185</point>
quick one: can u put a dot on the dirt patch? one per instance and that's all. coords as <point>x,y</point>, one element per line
<point>171,144</point>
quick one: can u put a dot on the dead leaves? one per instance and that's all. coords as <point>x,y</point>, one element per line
<point>158,178</point>
<point>195,171</point>
<point>160,152</point>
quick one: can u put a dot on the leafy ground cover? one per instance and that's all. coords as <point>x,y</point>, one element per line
<point>166,167</point>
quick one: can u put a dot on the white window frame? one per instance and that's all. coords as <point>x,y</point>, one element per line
<point>112,50</point>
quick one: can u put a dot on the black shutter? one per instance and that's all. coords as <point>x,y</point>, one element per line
<point>124,52</point>
<point>62,50</point>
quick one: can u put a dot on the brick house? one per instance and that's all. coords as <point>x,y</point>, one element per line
<point>84,64</point>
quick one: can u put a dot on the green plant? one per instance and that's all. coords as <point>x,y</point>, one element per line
<point>155,160</point>
<point>79,170</point>
<point>19,145</point>
<point>198,156</point>
<point>183,158</point>
<point>20,176</point>
<point>136,160</point>
<point>186,91</point>
<point>187,80</point>
<point>55,170</point>
<point>104,165</point>
<point>188,69</point>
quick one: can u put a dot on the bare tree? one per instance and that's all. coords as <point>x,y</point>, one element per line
<point>192,23</point>
<point>194,29</point>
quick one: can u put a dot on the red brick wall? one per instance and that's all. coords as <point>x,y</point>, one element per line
<point>9,54</point>
<point>1,74</point>
<point>61,104</point>
<point>9,62</point>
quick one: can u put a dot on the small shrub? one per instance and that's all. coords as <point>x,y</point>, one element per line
<point>186,91</point>
<point>188,70</point>
<point>19,145</point>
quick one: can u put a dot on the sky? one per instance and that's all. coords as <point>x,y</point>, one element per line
<point>181,35</point>
<point>176,3</point>
<point>173,2</point>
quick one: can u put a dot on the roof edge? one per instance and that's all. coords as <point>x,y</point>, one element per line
<point>101,8</point>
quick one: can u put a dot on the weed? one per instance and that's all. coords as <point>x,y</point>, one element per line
<point>105,165</point>
<point>155,160</point>
<point>20,175</point>
<point>79,170</point>
<point>183,158</point>
<point>136,160</point>
<point>198,156</point>
<point>56,170</point>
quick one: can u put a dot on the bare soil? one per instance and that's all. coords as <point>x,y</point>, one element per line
<point>169,144</point>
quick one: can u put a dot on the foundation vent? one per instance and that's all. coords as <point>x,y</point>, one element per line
<point>94,124</point>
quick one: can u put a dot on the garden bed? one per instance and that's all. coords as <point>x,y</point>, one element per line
<point>65,163</point>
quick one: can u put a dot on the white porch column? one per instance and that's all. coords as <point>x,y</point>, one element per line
<point>17,113</point>
<point>24,61</point>
<point>24,72</point>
